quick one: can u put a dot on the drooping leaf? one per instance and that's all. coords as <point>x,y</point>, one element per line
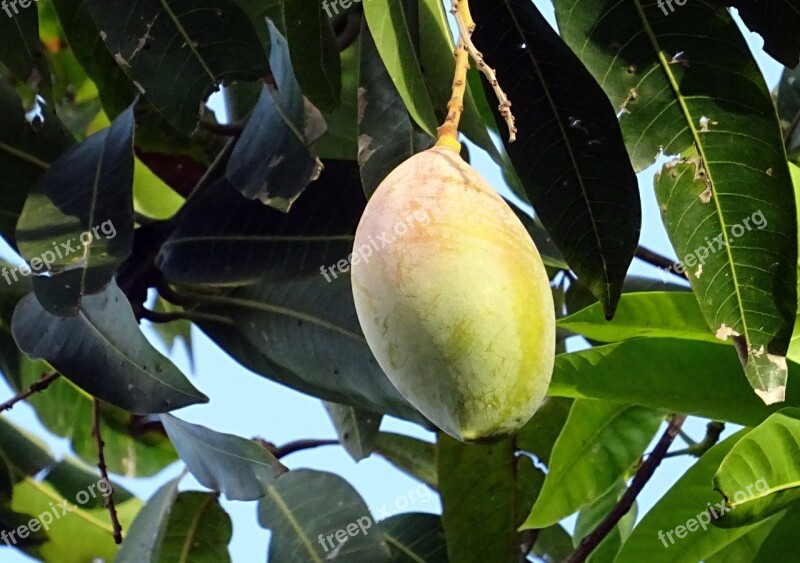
<point>678,527</point>
<point>665,373</point>
<point>173,526</point>
<point>415,537</point>
<point>387,135</point>
<point>271,160</point>
<point>599,443</point>
<point>568,132</point>
<point>357,429</point>
<point>177,52</point>
<point>477,487</point>
<point>726,200</point>
<point>77,224</point>
<point>667,314</point>
<point>390,27</point>
<point>26,150</point>
<point>238,468</point>
<point>113,87</point>
<point>102,351</point>
<point>412,456</point>
<point>316,516</point>
<point>225,239</point>
<point>761,474</point>
<point>21,50</point>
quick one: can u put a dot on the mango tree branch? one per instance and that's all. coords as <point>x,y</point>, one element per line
<point>108,498</point>
<point>35,387</point>
<point>590,542</point>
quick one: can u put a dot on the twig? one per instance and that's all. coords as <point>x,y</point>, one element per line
<point>294,447</point>
<point>36,387</point>
<point>466,25</point>
<point>108,498</point>
<point>191,316</point>
<point>657,260</point>
<point>714,430</point>
<point>351,31</point>
<point>590,542</point>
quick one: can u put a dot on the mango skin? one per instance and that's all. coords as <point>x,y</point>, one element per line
<point>458,311</point>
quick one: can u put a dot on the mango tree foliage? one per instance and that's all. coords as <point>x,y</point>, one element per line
<point>204,164</point>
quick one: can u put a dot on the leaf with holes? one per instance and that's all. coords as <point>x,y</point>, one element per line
<point>238,468</point>
<point>271,160</point>
<point>315,517</point>
<point>102,351</point>
<point>727,201</point>
<point>177,52</point>
<point>569,154</point>
<point>76,228</point>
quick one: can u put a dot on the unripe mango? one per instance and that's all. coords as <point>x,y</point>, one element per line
<point>457,309</point>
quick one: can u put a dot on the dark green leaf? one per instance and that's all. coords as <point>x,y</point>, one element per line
<point>177,52</point>
<point>590,516</point>
<point>271,160</point>
<point>415,537</point>
<point>356,428</point>
<point>21,50</point>
<point>539,435</point>
<point>387,135</point>
<point>783,542</point>
<point>238,468</point>
<point>340,141</point>
<point>102,350</point>
<point>412,456</point>
<point>317,516</point>
<point>77,224</point>
<point>569,154</point>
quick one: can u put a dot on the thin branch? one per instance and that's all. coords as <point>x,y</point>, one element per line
<point>714,430</point>
<point>37,387</point>
<point>191,316</point>
<point>351,31</point>
<point>108,498</point>
<point>590,542</point>
<point>657,260</point>
<point>294,447</point>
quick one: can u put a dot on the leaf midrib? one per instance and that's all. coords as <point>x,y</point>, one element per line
<point>287,513</point>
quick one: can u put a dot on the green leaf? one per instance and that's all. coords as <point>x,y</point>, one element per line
<point>678,527</point>
<point>23,453</point>
<point>26,150</point>
<point>113,87</point>
<point>271,160</point>
<point>415,537</point>
<point>745,549</point>
<point>387,135</point>
<point>782,542</point>
<point>102,351</point>
<point>477,487</point>
<point>539,435</point>
<point>173,526</point>
<point>599,443</point>
<point>761,474</point>
<point>568,131</point>
<point>312,43</point>
<point>21,50</point>
<point>177,52</point>
<point>730,163</point>
<point>412,456</point>
<point>317,516</point>
<point>224,239</point>
<point>686,376</point>
<point>238,468</point>
<point>667,314</point>
<point>77,224</point>
<point>389,25</point>
<point>553,544</point>
<point>590,516</point>
<point>356,428</point>
<point>341,139</point>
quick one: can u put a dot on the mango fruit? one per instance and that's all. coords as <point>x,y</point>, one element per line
<point>453,298</point>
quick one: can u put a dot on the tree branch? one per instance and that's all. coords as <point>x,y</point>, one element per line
<point>294,447</point>
<point>714,430</point>
<point>37,387</point>
<point>108,498</point>
<point>657,260</point>
<point>590,542</point>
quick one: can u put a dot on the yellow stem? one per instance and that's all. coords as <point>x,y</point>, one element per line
<point>448,132</point>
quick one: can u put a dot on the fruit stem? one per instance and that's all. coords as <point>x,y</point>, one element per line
<point>448,132</point>
<point>466,25</point>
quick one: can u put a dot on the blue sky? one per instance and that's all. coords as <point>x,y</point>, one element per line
<point>248,405</point>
